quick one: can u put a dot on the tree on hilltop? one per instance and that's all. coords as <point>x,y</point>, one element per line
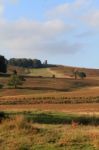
<point>82,75</point>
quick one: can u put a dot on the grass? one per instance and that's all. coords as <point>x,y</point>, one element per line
<point>68,71</point>
<point>42,117</point>
<point>19,132</point>
<point>40,72</point>
<point>46,85</point>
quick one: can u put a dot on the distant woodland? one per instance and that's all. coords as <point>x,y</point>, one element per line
<point>21,62</point>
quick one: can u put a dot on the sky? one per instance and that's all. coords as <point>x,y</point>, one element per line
<point>61,31</point>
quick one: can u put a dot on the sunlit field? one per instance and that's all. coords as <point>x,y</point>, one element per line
<point>47,113</point>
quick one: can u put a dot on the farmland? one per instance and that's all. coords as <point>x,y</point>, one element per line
<point>46,113</point>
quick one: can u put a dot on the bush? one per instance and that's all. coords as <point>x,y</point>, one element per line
<point>53,76</point>
<point>1,86</point>
<point>24,147</point>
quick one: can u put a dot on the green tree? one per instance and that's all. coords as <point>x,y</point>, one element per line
<point>15,81</point>
<point>82,75</point>
<point>3,64</point>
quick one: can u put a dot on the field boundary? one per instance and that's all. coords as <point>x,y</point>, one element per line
<point>24,99</point>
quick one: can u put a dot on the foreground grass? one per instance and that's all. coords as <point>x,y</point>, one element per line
<point>47,131</point>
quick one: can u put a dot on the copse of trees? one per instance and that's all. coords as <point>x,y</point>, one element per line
<point>79,74</point>
<point>3,64</point>
<point>23,62</point>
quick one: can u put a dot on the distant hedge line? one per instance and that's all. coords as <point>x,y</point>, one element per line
<point>47,100</point>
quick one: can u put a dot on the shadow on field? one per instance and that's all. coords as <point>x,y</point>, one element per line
<point>44,118</point>
<point>3,116</point>
<point>41,88</point>
<point>51,118</point>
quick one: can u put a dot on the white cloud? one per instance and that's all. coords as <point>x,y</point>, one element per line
<point>92,18</point>
<point>70,8</point>
<point>3,4</point>
<point>1,8</point>
<point>79,12</point>
<point>25,37</point>
<point>29,37</point>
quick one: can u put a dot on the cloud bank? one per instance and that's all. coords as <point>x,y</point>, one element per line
<point>29,37</point>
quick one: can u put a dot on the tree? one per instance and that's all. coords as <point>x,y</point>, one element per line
<point>15,81</point>
<point>3,64</point>
<point>82,75</point>
<point>75,72</point>
<point>37,63</point>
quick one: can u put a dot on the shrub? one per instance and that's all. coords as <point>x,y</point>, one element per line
<point>1,86</point>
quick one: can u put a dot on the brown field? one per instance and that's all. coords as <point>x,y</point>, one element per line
<point>47,87</point>
<point>50,103</point>
<point>91,109</point>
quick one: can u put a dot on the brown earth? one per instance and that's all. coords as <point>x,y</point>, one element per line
<point>92,109</point>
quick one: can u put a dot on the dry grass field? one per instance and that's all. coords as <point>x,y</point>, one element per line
<point>48,131</point>
<point>48,113</point>
<point>90,109</point>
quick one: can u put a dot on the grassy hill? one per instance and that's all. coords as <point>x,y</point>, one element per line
<point>67,71</point>
<point>47,113</point>
<point>64,81</point>
<point>59,71</point>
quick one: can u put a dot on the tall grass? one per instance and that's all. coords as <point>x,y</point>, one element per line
<point>18,132</point>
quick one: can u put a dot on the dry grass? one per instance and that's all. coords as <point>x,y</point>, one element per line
<point>17,133</point>
<point>68,71</point>
<point>91,109</point>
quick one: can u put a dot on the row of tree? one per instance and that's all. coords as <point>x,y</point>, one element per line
<point>23,62</point>
<point>19,62</point>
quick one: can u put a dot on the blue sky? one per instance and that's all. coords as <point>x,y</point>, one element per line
<point>61,31</point>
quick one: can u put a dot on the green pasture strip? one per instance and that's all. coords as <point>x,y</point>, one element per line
<point>43,117</point>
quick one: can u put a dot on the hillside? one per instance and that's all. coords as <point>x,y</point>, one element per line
<point>58,71</point>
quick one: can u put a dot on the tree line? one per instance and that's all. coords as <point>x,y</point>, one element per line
<point>19,62</point>
<point>24,62</point>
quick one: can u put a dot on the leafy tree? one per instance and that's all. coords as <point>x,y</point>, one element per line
<point>82,75</point>
<point>3,64</point>
<point>15,81</point>
<point>24,62</point>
